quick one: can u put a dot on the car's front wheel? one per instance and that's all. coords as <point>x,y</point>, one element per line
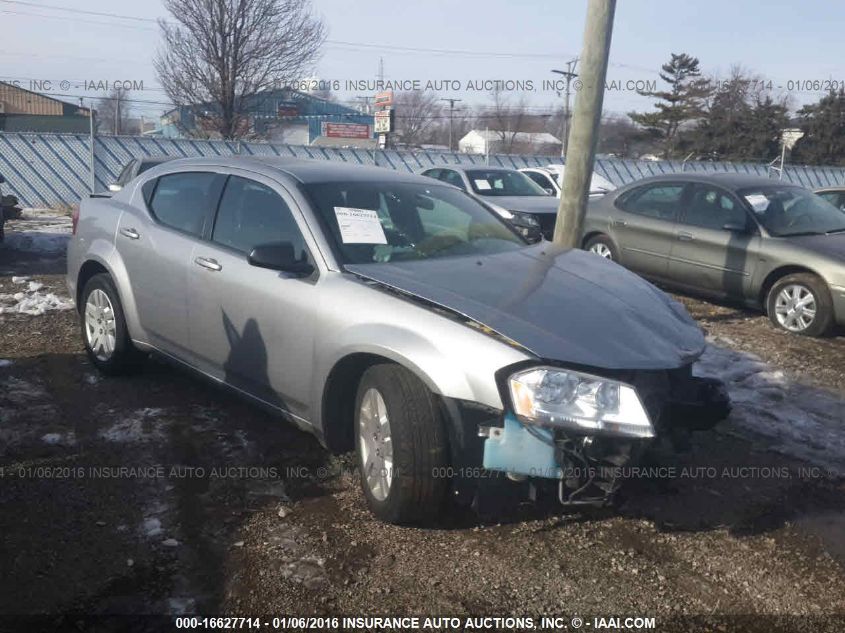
<point>801,304</point>
<point>104,329</point>
<point>401,445</point>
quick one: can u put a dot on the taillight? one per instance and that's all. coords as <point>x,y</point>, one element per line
<point>74,218</point>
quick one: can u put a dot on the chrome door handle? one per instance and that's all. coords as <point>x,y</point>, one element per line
<point>620,223</point>
<point>207,262</point>
<point>132,234</point>
<point>685,237</point>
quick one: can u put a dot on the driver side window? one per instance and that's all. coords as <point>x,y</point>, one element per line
<point>711,208</point>
<point>250,214</point>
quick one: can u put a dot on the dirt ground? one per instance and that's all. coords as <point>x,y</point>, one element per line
<point>159,494</point>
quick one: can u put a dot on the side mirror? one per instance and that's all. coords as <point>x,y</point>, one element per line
<point>735,227</point>
<point>279,256</point>
<point>115,188</point>
<point>549,190</point>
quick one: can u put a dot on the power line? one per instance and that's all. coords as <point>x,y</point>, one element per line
<point>341,43</point>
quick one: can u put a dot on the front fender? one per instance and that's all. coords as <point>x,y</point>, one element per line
<point>459,363</point>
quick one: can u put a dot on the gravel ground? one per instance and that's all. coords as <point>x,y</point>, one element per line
<point>227,509</point>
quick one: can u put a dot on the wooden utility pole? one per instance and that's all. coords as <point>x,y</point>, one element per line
<point>451,109</point>
<point>586,118</point>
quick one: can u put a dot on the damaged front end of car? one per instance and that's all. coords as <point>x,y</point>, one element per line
<point>608,369</point>
<point>582,430</point>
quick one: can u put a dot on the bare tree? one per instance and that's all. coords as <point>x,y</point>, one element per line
<point>506,119</point>
<point>114,113</point>
<point>417,113</point>
<point>217,54</point>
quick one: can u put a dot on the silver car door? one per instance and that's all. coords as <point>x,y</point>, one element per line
<point>253,327</point>
<point>716,243</point>
<point>155,244</point>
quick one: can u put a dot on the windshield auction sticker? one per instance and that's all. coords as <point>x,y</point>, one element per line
<point>359,226</point>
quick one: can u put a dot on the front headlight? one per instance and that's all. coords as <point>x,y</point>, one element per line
<point>524,219</point>
<point>566,399</point>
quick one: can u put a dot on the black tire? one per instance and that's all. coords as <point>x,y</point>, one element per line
<point>607,242</point>
<point>418,438</point>
<point>125,358</point>
<point>823,322</point>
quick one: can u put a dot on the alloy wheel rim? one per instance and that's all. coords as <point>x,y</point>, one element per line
<point>100,330</point>
<point>376,444</point>
<point>795,308</point>
<point>602,250</point>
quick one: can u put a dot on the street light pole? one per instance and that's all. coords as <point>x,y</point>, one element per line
<point>569,74</point>
<point>451,108</point>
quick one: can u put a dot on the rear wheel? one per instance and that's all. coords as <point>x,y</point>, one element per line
<point>104,329</point>
<point>602,246</point>
<point>801,304</point>
<point>401,445</point>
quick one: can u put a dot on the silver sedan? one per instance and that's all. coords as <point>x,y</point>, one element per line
<point>393,315</point>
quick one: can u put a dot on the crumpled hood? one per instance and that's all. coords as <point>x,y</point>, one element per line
<point>526,204</point>
<point>564,305</point>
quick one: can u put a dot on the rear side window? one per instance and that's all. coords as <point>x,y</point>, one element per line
<point>182,201</point>
<point>251,214</point>
<point>655,201</point>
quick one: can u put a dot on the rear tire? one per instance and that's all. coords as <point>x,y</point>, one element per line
<point>403,478</point>
<point>104,331</point>
<point>602,246</point>
<point>794,299</point>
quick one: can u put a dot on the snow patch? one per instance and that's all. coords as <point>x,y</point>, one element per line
<point>151,527</point>
<point>31,300</point>
<point>141,425</point>
<point>59,439</point>
<point>804,421</point>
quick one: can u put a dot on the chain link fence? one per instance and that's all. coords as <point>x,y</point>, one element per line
<point>47,170</point>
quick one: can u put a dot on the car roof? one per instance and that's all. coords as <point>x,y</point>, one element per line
<point>155,160</point>
<point>305,170</point>
<point>729,180</point>
<point>465,168</point>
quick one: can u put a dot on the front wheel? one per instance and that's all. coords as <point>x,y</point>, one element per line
<point>401,445</point>
<point>801,304</point>
<point>104,329</point>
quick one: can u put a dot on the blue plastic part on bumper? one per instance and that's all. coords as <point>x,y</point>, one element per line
<point>514,449</point>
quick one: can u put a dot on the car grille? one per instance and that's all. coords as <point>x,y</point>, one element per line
<point>547,224</point>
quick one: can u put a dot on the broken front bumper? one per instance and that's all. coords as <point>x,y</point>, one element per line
<point>586,466</point>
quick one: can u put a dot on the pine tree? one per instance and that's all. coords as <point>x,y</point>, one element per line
<point>741,123</point>
<point>823,124</point>
<point>682,103</point>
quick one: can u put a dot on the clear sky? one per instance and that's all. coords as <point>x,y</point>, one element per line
<point>783,41</point>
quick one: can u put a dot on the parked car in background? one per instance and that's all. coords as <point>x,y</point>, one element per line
<point>550,178</point>
<point>508,192</point>
<point>834,195</point>
<point>766,243</point>
<point>135,167</point>
<point>394,315</point>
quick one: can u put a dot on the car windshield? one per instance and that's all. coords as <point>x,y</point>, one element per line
<point>388,221</point>
<point>786,210</point>
<point>503,182</point>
